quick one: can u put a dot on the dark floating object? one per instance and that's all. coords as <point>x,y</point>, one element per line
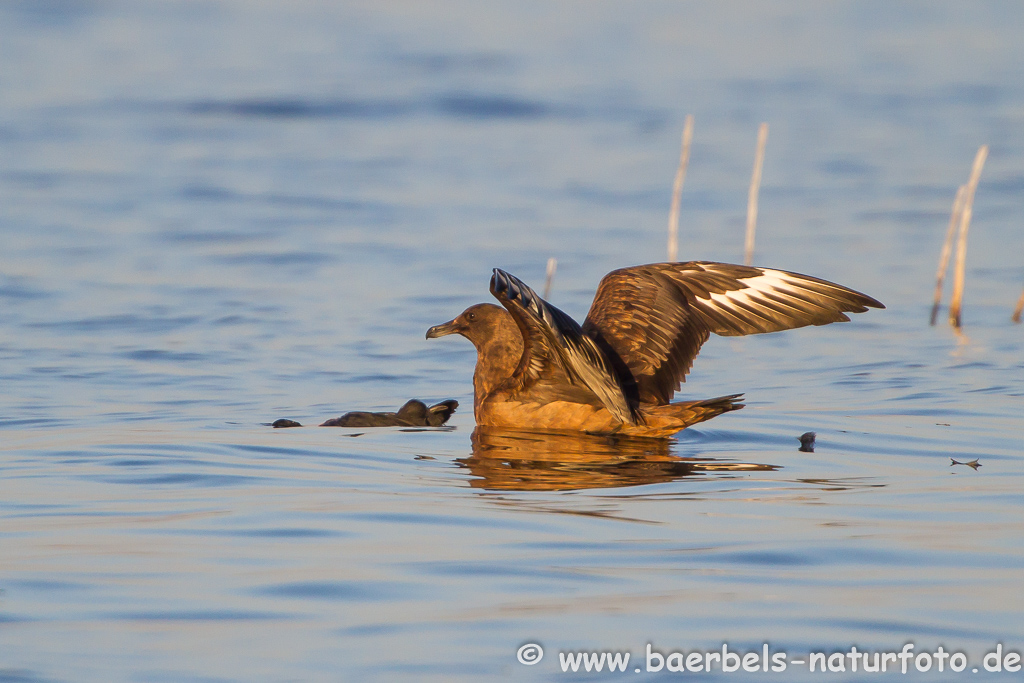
<point>413,414</point>
<point>284,422</point>
<point>616,374</point>
<point>807,442</point>
<point>973,464</point>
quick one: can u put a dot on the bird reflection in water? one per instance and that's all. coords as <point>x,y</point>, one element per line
<point>511,460</point>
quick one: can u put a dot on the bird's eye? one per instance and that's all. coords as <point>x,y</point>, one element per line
<point>471,317</point>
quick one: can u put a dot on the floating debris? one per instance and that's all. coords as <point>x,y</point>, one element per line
<point>973,464</point>
<point>413,414</point>
<point>807,442</point>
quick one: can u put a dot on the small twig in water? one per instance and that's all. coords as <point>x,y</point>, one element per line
<point>947,248</point>
<point>1019,309</point>
<point>755,187</point>
<point>973,464</point>
<point>552,267</point>
<point>677,190</point>
<point>956,302</point>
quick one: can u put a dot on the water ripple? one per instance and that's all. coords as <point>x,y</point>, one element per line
<point>122,323</point>
<point>344,591</point>
<point>197,615</point>
<point>458,105</point>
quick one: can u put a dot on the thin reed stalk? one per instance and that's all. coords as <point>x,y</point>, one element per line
<point>956,303</point>
<point>549,278</point>
<point>947,249</point>
<point>1019,309</point>
<point>677,190</point>
<point>755,187</point>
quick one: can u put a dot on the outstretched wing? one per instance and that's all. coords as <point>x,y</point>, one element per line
<point>552,338</point>
<point>656,317</point>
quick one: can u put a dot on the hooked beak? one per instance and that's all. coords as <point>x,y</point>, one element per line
<point>443,330</point>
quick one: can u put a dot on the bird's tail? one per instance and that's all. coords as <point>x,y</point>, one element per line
<point>693,412</point>
<point>668,419</point>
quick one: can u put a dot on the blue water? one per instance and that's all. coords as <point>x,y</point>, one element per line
<point>217,214</point>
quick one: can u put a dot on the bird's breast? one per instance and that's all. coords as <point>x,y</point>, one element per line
<point>562,415</point>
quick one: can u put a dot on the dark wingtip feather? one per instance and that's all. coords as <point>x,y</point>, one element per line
<point>499,281</point>
<point>566,344</point>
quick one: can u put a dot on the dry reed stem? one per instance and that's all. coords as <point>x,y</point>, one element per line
<point>1019,309</point>
<point>677,189</point>
<point>552,267</point>
<point>947,249</point>
<point>956,303</point>
<point>755,187</point>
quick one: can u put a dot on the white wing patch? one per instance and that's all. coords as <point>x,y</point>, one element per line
<point>777,300</point>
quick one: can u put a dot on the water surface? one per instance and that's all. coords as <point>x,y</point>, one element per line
<point>218,214</point>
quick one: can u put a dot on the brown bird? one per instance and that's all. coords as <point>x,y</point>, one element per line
<point>538,369</point>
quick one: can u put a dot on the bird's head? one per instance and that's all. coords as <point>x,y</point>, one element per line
<point>478,324</point>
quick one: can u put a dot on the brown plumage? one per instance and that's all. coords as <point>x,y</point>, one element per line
<point>538,369</point>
